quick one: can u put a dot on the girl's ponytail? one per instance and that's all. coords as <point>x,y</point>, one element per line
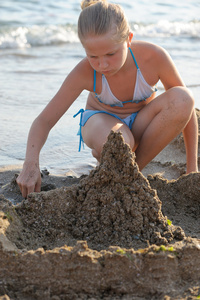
<point>86,3</point>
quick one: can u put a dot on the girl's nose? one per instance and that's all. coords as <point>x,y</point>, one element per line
<point>103,64</point>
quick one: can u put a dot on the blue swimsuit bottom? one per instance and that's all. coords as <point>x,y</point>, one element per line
<point>86,114</point>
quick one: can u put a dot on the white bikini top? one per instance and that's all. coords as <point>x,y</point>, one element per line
<point>142,89</point>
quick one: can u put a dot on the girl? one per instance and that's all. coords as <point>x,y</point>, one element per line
<point>120,76</point>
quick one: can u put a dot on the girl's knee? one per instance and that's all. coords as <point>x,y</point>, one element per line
<point>183,95</point>
<point>189,99</point>
<point>182,101</point>
<point>96,154</point>
<point>128,138</point>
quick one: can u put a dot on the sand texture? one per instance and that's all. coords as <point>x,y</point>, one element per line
<point>114,234</point>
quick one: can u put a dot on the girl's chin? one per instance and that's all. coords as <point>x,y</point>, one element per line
<point>109,73</point>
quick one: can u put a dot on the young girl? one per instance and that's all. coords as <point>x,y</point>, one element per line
<point>120,75</point>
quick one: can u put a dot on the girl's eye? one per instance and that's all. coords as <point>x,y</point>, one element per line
<point>110,54</point>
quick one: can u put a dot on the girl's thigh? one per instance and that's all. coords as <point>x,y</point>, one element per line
<point>145,117</point>
<point>167,113</point>
<point>98,127</point>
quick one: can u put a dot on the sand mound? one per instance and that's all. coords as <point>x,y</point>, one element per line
<point>114,205</point>
<point>118,214</point>
<point>180,200</point>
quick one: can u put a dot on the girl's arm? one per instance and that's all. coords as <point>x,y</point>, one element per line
<point>29,179</point>
<point>190,134</point>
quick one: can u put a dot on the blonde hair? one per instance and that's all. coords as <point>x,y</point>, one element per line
<point>99,16</point>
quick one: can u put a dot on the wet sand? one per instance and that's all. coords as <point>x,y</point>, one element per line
<point>116,233</point>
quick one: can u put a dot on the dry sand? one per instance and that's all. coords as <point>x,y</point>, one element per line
<point>114,234</point>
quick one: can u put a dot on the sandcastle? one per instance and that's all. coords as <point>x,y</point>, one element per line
<point>113,205</point>
<point>103,237</point>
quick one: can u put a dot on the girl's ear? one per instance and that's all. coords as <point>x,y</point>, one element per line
<point>130,37</point>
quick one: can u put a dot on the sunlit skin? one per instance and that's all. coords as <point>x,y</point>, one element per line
<point>160,119</point>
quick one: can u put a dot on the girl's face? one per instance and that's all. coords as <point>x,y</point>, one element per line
<point>105,55</point>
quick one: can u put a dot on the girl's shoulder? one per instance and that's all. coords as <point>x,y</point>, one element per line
<point>84,73</point>
<point>147,50</point>
<point>148,53</point>
<point>84,67</point>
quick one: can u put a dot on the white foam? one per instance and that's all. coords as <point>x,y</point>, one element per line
<point>25,37</point>
<point>165,28</point>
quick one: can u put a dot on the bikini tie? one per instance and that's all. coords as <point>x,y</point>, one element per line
<point>81,111</point>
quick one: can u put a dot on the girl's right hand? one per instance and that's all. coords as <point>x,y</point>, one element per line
<point>29,179</point>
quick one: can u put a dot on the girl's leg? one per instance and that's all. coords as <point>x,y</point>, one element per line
<point>160,122</point>
<point>97,129</point>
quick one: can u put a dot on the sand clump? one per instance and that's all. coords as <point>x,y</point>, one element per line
<point>113,205</point>
<point>107,236</point>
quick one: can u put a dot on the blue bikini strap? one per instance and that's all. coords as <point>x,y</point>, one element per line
<point>134,58</point>
<point>94,85</point>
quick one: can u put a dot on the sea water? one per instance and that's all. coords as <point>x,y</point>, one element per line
<point>39,47</point>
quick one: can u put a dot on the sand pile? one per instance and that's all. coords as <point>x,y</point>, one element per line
<point>133,250</point>
<point>114,205</point>
<point>180,201</point>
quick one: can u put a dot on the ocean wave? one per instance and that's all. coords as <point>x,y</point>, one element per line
<point>165,28</point>
<point>34,36</point>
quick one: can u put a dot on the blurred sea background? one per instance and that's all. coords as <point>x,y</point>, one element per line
<point>39,47</point>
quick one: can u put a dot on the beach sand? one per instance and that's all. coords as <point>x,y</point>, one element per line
<point>116,233</point>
